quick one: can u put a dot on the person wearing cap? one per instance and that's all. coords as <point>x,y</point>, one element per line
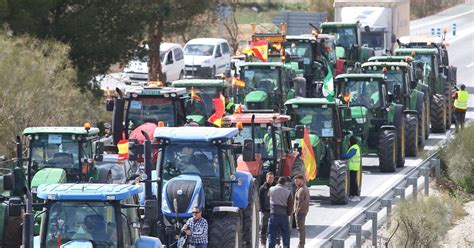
<point>461,99</point>
<point>107,139</point>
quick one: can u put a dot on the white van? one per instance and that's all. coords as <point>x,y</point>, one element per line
<point>172,65</point>
<point>206,57</point>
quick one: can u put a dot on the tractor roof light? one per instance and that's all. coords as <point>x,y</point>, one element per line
<point>392,68</point>
<point>166,95</point>
<point>445,30</point>
<point>73,137</point>
<point>408,59</point>
<point>239,125</point>
<point>87,126</point>
<point>173,94</point>
<point>413,53</point>
<point>385,70</point>
<point>161,124</point>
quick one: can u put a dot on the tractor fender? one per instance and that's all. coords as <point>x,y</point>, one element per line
<point>387,127</point>
<point>420,99</point>
<point>410,112</point>
<point>397,112</point>
<point>103,175</point>
<point>240,189</point>
<point>226,210</point>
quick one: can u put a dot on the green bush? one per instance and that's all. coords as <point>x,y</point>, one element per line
<point>458,160</point>
<point>39,88</point>
<point>425,222</point>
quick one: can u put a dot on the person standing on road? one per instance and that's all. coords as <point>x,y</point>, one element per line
<point>196,227</point>
<point>301,208</point>
<point>461,99</point>
<point>265,206</point>
<point>355,174</point>
<point>281,207</point>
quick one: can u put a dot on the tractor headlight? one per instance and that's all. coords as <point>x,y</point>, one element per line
<point>360,120</point>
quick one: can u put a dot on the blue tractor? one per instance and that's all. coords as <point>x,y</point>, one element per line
<point>197,167</point>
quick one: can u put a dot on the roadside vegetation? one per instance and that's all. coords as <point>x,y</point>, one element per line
<point>39,88</point>
<point>425,222</point>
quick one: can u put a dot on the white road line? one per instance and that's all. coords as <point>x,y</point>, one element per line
<point>424,24</point>
<point>470,65</point>
<point>464,33</point>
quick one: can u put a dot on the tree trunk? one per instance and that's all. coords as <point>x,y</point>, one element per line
<point>155,35</point>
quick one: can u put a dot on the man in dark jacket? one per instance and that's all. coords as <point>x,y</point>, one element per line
<point>281,206</point>
<point>265,206</point>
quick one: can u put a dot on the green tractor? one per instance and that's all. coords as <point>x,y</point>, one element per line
<point>268,85</point>
<point>429,68</point>
<point>329,139</point>
<point>402,86</point>
<point>317,56</point>
<point>349,47</point>
<point>64,154</point>
<point>199,107</point>
<point>377,119</point>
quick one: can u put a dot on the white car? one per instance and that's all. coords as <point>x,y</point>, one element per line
<point>206,57</point>
<point>172,65</point>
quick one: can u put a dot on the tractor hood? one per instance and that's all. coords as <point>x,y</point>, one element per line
<point>48,176</point>
<point>184,190</point>
<point>197,118</point>
<point>256,96</point>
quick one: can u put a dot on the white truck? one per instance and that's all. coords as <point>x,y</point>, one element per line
<point>382,21</point>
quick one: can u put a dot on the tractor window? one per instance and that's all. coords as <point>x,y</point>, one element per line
<point>200,102</point>
<point>190,159</point>
<point>318,119</point>
<point>263,140</point>
<point>301,49</point>
<point>152,109</point>
<point>261,78</point>
<point>344,36</point>
<point>68,222</point>
<point>55,150</point>
<point>373,39</point>
<point>425,58</point>
<point>364,93</point>
<point>87,150</point>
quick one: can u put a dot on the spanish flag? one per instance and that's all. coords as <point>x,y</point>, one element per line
<point>194,95</point>
<point>260,49</point>
<point>238,109</point>
<point>307,155</point>
<point>238,83</point>
<point>122,147</point>
<point>219,107</point>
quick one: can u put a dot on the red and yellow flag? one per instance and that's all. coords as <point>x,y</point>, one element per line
<point>219,107</point>
<point>122,147</point>
<point>195,96</point>
<point>307,155</point>
<point>238,83</point>
<point>260,49</point>
<point>238,109</point>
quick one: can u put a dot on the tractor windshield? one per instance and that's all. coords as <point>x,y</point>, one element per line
<point>344,36</point>
<point>319,119</point>
<point>263,139</point>
<point>200,102</point>
<point>55,150</point>
<point>191,158</point>
<point>425,58</point>
<point>373,39</point>
<point>301,49</point>
<point>263,78</point>
<point>74,222</point>
<point>363,92</point>
<point>152,109</point>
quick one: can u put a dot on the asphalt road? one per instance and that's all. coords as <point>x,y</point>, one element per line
<point>324,218</point>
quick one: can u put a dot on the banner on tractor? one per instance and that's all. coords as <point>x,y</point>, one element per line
<point>238,83</point>
<point>307,155</point>
<point>328,85</point>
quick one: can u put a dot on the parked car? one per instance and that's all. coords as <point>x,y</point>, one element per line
<point>206,57</point>
<point>172,65</point>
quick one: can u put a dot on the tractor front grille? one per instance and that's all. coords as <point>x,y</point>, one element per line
<point>182,191</point>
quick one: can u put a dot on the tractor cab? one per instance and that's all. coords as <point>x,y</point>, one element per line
<point>64,154</point>
<point>139,105</point>
<point>199,107</point>
<point>267,144</point>
<point>91,215</point>
<point>267,85</point>
<point>348,42</point>
<point>197,167</point>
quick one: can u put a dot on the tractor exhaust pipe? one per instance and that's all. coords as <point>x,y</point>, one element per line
<point>252,123</point>
<point>148,164</point>
<point>28,221</point>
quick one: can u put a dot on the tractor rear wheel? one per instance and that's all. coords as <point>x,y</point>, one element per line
<point>438,114</point>
<point>339,183</point>
<point>387,151</point>
<point>225,231</point>
<point>251,219</point>
<point>411,135</point>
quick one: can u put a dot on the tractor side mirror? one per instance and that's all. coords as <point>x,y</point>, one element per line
<point>248,151</point>
<point>14,207</point>
<point>151,209</point>
<point>390,97</point>
<point>109,105</point>
<point>99,151</point>
<point>397,91</point>
<point>34,165</point>
<point>419,74</point>
<point>299,131</point>
<point>133,149</point>
<point>8,182</point>
<point>237,149</point>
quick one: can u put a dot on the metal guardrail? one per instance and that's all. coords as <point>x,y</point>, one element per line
<point>385,202</point>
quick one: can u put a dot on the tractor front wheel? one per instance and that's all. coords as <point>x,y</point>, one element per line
<point>387,151</point>
<point>225,231</point>
<point>411,137</point>
<point>339,183</point>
